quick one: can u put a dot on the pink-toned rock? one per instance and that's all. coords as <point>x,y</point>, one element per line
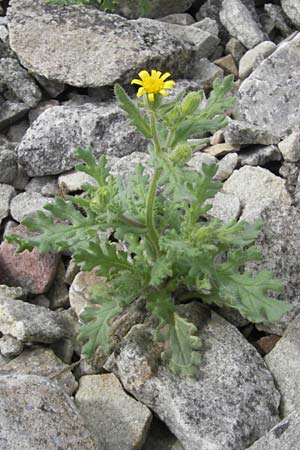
<point>33,271</point>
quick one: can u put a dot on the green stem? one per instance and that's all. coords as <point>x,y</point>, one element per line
<point>131,221</point>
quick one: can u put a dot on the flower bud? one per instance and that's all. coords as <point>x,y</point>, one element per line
<point>181,154</point>
<point>191,102</point>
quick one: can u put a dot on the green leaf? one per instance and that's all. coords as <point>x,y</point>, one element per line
<point>161,269</point>
<point>134,114</point>
<point>97,170</point>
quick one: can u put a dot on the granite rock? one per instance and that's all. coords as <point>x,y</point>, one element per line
<point>7,192</point>
<point>27,204</point>
<point>292,10</point>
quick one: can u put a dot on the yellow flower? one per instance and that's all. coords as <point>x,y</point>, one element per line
<point>153,84</point>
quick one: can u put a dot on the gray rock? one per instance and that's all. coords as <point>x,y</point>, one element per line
<point>284,436</point>
<point>16,131</point>
<point>284,364</point>
<point>268,98</point>
<point>157,8</point>
<point>160,438</point>
<point>43,362</point>
<point>206,72</point>
<point>201,158</point>
<point>254,57</point>
<point>226,166</point>
<point>290,172</point>
<point>179,19</point>
<point>259,155</point>
<point>16,84</point>
<point>40,108</point>
<point>58,293</point>
<point>79,290</point>
<point>46,186</point>
<point>37,415</point>
<point>11,112</point>
<point>27,204</point>
<point>8,163</point>
<point>256,188</point>
<point>10,346</point>
<point>29,323</point>
<point>73,180</point>
<point>209,25</point>
<point>6,194</point>
<point>127,164</point>
<point>124,46</point>
<point>278,19</point>
<point>13,293</point>
<point>242,133</point>
<point>290,147</point>
<point>21,180</point>
<point>225,207</point>
<point>117,420</point>
<point>235,48</point>
<point>71,272</point>
<point>278,243</point>
<point>239,22</point>
<point>49,144</point>
<point>231,401</point>
<point>53,88</point>
<point>292,10</point>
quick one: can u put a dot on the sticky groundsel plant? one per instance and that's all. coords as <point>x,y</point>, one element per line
<point>165,248</point>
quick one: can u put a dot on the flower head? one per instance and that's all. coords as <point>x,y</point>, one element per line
<point>153,84</point>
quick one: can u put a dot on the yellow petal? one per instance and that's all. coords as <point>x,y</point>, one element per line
<point>169,84</point>
<point>144,75</point>
<point>158,74</point>
<point>163,92</point>
<point>139,82</point>
<point>151,97</point>
<point>153,73</point>
<point>141,92</point>
<point>165,76</point>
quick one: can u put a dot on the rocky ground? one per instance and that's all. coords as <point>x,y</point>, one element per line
<point>57,69</point>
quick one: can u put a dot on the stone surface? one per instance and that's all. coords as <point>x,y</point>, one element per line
<point>8,163</point>
<point>243,133</point>
<point>221,149</point>
<point>29,323</point>
<point>40,108</point>
<point>27,204</point>
<point>258,155</point>
<point>278,19</point>
<point>292,10</point>
<point>225,207</point>
<point>79,290</point>
<point>268,98</point>
<point>265,344</point>
<point>73,180</point>
<point>37,415</point>
<point>129,8</point>
<point>16,131</point>
<point>99,49</point>
<point>58,293</point>
<point>256,188</point>
<point>239,22</point>
<point>160,438</point>
<point>284,436</point>
<point>209,25</point>
<point>117,420</point>
<point>179,19</point>
<point>7,192</point>
<point>43,362</point>
<point>235,48</point>
<point>46,186</point>
<point>33,271</point>
<point>10,346</point>
<point>279,245</point>
<point>254,57</point>
<point>226,166</point>
<point>17,84</point>
<point>231,401</point>
<point>284,364</point>
<point>290,147</point>
<point>206,72</point>
<point>11,112</point>
<point>127,164</point>
<point>227,63</point>
<point>49,144</point>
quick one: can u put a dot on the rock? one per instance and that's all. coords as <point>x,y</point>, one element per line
<point>238,21</point>
<point>16,83</point>
<point>235,48</point>
<point>199,411</point>
<point>29,323</point>
<point>284,436</point>
<point>179,19</point>
<point>292,10</point>
<point>33,271</point>
<point>46,186</point>
<point>221,149</point>
<point>16,131</point>
<point>209,25</point>
<point>225,207</point>
<point>268,98</point>
<point>157,8</point>
<point>290,148</point>
<point>43,362</point>
<point>27,204</point>
<point>242,133</point>
<point>40,108</point>
<point>12,292</point>
<point>73,180</point>
<point>228,64</point>
<point>6,194</point>
<point>284,364</point>
<point>254,57</point>
<point>160,438</point>
<point>256,188</point>
<point>10,346</point>
<point>259,155</point>
<point>36,414</point>
<point>226,166</point>
<point>11,112</point>
<point>58,294</point>
<point>21,179</point>
<point>127,164</point>
<point>117,420</point>
<point>290,172</point>
<point>201,158</point>
<point>278,243</point>
<point>217,137</point>
<point>71,272</point>
<point>89,61</point>
<point>265,344</point>
<point>79,290</point>
<point>53,88</point>
<point>49,144</point>
<point>278,19</point>
<point>206,72</point>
